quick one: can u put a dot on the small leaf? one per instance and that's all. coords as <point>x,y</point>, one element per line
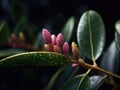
<point>117,34</point>
<point>73,83</point>
<point>29,59</point>
<point>91,34</point>
<point>95,82</point>
<point>110,59</point>
<point>8,52</point>
<point>4,33</point>
<point>68,29</point>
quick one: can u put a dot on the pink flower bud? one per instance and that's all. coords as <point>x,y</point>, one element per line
<point>59,39</point>
<point>53,39</point>
<point>57,49</point>
<point>46,36</point>
<point>74,65</point>
<point>65,48</point>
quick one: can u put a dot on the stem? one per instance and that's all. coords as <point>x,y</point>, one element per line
<point>82,63</point>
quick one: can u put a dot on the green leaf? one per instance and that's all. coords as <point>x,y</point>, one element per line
<point>73,83</point>
<point>110,59</point>
<point>53,79</point>
<point>65,73</point>
<point>8,52</point>
<point>39,41</point>
<point>91,34</point>
<point>21,25</point>
<point>17,10</point>
<point>117,34</point>
<point>29,59</point>
<point>4,33</point>
<point>68,29</point>
<point>96,81</point>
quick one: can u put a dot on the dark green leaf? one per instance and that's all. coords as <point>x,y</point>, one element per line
<point>53,79</point>
<point>110,59</point>
<point>91,34</point>
<point>65,73</point>
<point>17,10</point>
<point>95,82</point>
<point>73,83</point>
<point>33,59</point>
<point>8,52</point>
<point>4,33</point>
<point>21,25</point>
<point>68,29</point>
<point>117,34</point>
<point>39,42</point>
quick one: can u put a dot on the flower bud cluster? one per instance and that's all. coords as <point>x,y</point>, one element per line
<point>55,43</point>
<point>19,42</point>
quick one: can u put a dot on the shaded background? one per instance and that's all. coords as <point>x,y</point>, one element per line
<point>52,14</point>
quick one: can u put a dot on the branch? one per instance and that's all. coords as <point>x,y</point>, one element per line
<point>95,67</point>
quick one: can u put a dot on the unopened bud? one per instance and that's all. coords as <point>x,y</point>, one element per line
<point>74,65</point>
<point>46,36</point>
<point>13,37</point>
<point>57,49</point>
<point>65,48</point>
<point>75,50</point>
<point>59,39</point>
<point>47,47</point>
<point>53,39</point>
<point>21,37</point>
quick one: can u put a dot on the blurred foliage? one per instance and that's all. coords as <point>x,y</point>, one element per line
<point>21,44</point>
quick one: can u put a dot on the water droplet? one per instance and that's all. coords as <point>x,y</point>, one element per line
<point>49,54</point>
<point>50,57</point>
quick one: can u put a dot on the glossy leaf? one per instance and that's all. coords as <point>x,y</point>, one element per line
<point>4,33</point>
<point>91,34</point>
<point>110,59</point>
<point>95,82</point>
<point>30,59</point>
<point>68,29</point>
<point>8,52</point>
<point>117,34</point>
<point>73,83</point>
<point>53,79</point>
<point>65,73</point>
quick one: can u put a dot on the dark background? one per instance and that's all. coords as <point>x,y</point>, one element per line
<point>55,12</point>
